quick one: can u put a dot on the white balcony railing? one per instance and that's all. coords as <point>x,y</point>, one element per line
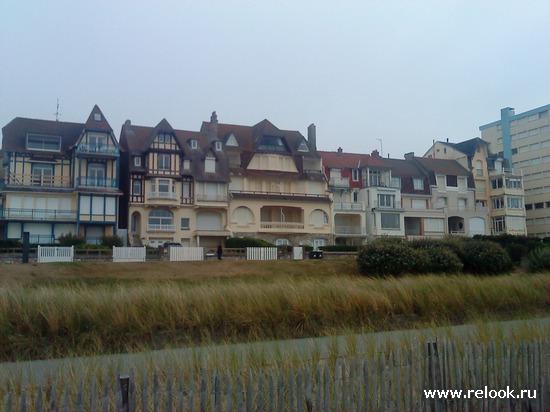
<point>339,182</point>
<point>202,197</point>
<point>350,230</point>
<point>162,195</point>
<point>161,228</point>
<point>343,206</point>
<point>281,225</point>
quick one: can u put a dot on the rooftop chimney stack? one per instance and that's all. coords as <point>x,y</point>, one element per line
<point>375,153</point>
<point>213,130</point>
<point>409,156</point>
<point>312,136</point>
<point>339,152</point>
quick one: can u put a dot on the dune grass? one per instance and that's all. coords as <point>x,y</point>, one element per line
<point>83,313</point>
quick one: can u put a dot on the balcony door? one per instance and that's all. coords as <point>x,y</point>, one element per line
<point>96,174</point>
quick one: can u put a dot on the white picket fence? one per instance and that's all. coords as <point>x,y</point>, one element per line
<point>47,254</point>
<point>298,252</point>
<point>129,254</point>
<point>261,253</point>
<point>178,254</point>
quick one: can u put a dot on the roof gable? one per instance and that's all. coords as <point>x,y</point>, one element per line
<point>96,120</point>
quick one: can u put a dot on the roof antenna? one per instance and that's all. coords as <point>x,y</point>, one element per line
<point>57,114</point>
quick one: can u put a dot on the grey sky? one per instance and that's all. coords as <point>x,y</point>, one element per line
<point>405,72</point>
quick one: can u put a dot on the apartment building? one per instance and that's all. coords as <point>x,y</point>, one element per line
<point>60,178</point>
<point>523,140</point>
<point>277,188</point>
<point>497,187</point>
<point>175,185</point>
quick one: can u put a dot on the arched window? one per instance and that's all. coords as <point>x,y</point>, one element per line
<point>243,216</point>
<point>318,218</point>
<point>161,219</point>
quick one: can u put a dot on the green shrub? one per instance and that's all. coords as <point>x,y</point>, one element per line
<point>339,248</point>
<point>387,257</point>
<point>484,257</point>
<point>242,242</point>
<point>539,260</point>
<point>10,243</point>
<point>111,241</point>
<point>70,240</point>
<point>442,260</point>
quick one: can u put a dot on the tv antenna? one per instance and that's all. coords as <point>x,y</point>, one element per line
<point>57,114</point>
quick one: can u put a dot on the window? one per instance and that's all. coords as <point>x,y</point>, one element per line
<point>164,161</point>
<point>96,174</point>
<point>396,182</point>
<point>389,220</point>
<point>218,146</point>
<point>499,224</point>
<point>418,204</point>
<point>163,186</point>
<point>355,175</point>
<point>386,201</point>
<point>193,143</point>
<point>161,219</point>
<point>539,205</point>
<point>97,117</point>
<point>187,164</point>
<point>418,184</point>
<point>42,174</point>
<point>137,161</point>
<point>513,183</point>
<point>303,147</point>
<point>355,197</point>
<point>498,203</point>
<point>272,144</point>
<point>136,187</point>
<point>282,242</point>
<point>374,178</point>
<point>185,223</point>
<point>210,165</point>
<point>529,206</point>
<point>441,202</point>
<point>434,225</point>
<point>186,189</point>
<point>514,202</point>
<point>496,183</point>
<point>479,168</point>
<point>96,141</point>
<point>452,181</point>
<point>43,142</point>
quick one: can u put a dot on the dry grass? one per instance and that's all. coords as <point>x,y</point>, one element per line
<point>95,308</point>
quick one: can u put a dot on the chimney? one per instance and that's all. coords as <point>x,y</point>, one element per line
<point>213,129</point>
<point>409,156</point>
<point>312,137</point>
<point>375,153</point>
<point>339,152</point>
<point>447,140</point>
<point>128,123</point>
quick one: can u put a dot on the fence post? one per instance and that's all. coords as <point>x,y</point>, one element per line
<point>124,388</point>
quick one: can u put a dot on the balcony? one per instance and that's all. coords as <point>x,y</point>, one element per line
<point>39,214</point>
<point>162,195</point>
<point>391,205</point>
<point>348,206</point>
<point>339,182</point>
<point>350,230</point>
<point>161,228</point>
<point>98,149</point>
<point>97,182</point>
<point>205,197</point>
<point>43,180</point>
<point>282,225</point>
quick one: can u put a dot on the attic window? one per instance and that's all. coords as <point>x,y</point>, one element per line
<point>97,117</point>
<point>272,144</point>
<point>218,146</point>
<point>137,161</point>
<point>303,147</point>
<point>193,143</point>
<point>232,141</point>
<point>44,142</point>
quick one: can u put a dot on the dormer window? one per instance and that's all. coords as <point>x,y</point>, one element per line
<point>137,161</point>
<point>272,144</point>
<point>193,143</point>
<point>43,142</point>
<point>164,138</point>
<point>210,165</point>
<point>97,117</point>
<point>186,164</point>
<point>231,141</point>
<point>303,147</point>
<point>218,146</point>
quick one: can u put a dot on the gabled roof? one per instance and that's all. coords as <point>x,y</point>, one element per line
<point>336,160</point>
<point>469,147</point>
<point>403,167</point>
<point>101,124</point>
<point>442,166</point>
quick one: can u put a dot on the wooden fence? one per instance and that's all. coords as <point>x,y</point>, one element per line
<point>178,254</point>
<point>261,253</point>
<point>392,381</point>
<point>129,254</point>
<point>47,254</point>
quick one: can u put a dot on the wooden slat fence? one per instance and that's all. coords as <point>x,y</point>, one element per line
<point>48,254</point>
<point>392,381</point>
<point>178,254</point>
<point>261,253</point>
<point>129,254</point>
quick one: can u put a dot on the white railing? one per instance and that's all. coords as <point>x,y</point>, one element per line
<point>161,228</point>
<point>47,254</point>
<point>261,253</point>
<point>339,182</point>
<point>350,230</point>
<point>349,206</point>
<point>162,195</point>
<point>178,254</point>
<point>297,252</point>
<point>281,225</point>
<point>203,197</point>
<point>129,254</point>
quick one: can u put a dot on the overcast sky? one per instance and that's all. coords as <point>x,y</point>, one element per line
<point>405,72</point>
